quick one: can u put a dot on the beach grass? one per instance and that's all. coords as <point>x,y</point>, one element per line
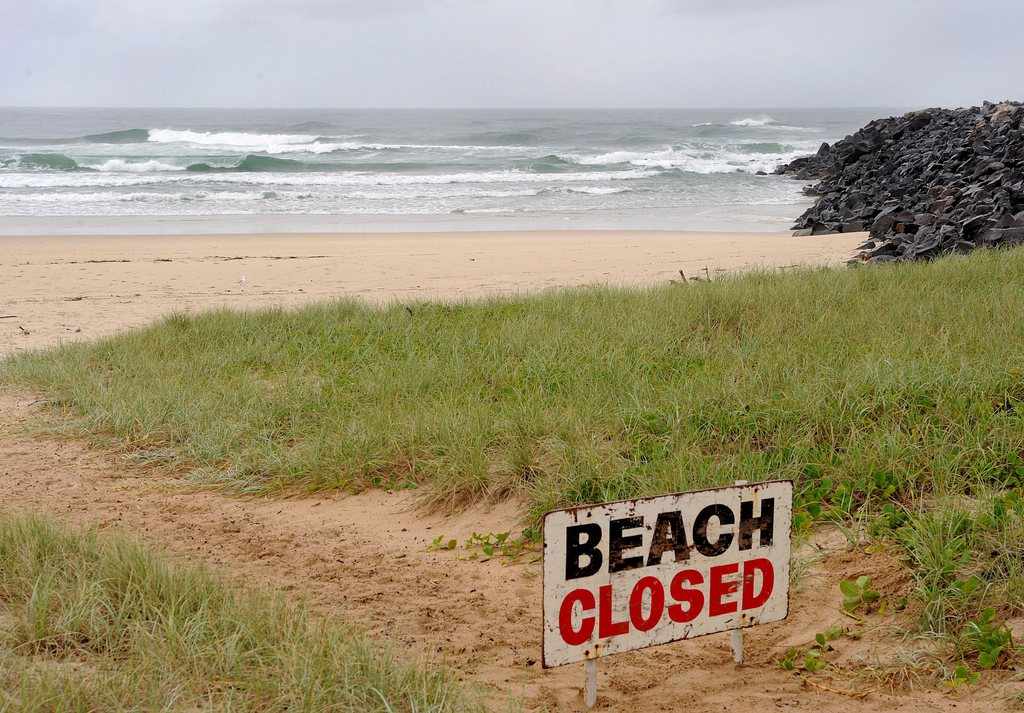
<point>892,395</point>
<point>101,623</point>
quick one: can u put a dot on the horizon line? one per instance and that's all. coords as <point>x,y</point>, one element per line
<point>450,108</point>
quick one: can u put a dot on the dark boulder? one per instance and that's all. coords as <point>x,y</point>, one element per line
<point>926,183</point>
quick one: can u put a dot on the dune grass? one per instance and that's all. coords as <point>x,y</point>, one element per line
<point>90,623</point>
<point>894,396</point>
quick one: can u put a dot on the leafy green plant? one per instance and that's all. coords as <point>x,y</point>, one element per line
<point>964,588</point>
<point>789,661</point>
<point>489,544</point>
<point>493,544</point>
<point>1002,509</point>
<point>807,503</point>
<point>891,517</point>
<point>961,675</point>
<point>989,638</point>
<point>822,639</point>
<point>532,534</point>
<point>1015,478</point>
<point>814,660</point>
<point>811,658</point>
<point>858,593</point>
<point>440,543</point>
<point>404,482</point>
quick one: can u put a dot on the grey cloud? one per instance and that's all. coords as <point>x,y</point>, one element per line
<point>351,9</point>
<point>510,52</point>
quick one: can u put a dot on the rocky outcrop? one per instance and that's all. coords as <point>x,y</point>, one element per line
<point>926,183</point>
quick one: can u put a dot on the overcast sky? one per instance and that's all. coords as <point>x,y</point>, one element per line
<point>510,53</point>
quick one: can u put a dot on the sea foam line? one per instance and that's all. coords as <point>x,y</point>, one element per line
<point>120,165</point>
<point>115,180</point>
<point>692,160</point>
<point>300,143</point>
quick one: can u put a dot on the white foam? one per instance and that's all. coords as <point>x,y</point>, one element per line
<point>81,180</point>
<point>692,160</point>
<point>244,141</point>
<point>354,179</point>
<point>138,197</point>
<point>298,143</point>
<point>434,192</point>
<point>224,138</point>
<point>596,190</point>
<point>120,165</point>
<point>391,179</point>
<point>613,157</point>
<point>762,120</point>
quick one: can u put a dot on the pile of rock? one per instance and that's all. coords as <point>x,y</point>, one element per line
<point>926,183</point>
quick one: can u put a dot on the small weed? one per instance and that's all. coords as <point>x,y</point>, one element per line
<point>991,640</point>
<point>394,482</point>
<point>961,675</point>
<point>858,593</point>
<point>814,660</point>
<point>1002,509</point>
<point>790,661</point>
<point>1015,478</point>
<point>891,517</point>
<point>440,543</point>
<point>491,544</point>
<point>807,503</point>
<point>811,658</point>
<point>822,639</point>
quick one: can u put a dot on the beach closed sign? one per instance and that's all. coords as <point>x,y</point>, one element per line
<point>627,575</point>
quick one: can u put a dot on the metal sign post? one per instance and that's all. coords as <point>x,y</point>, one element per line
<point>637,573</point>
<point>590,685</point>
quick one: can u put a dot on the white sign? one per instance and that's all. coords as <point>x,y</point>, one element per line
<point>637,573</point>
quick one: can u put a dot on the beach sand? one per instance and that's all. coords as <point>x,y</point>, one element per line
<point>364,558</point>
<point>55,289</point>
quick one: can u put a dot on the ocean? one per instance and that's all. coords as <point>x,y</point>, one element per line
<point>217,170</point>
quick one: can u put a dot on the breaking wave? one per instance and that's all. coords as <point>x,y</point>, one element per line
<point>342,163</point>
<point>758,121</point>
<point>252,164</point>
<point>739,158</point>
<point>224,138</point>
<point>117,164</point>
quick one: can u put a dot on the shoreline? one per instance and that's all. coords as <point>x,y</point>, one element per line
<point>740,218</point>
<point>63,288</point>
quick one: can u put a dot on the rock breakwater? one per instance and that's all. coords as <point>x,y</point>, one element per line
<point>926,183</point>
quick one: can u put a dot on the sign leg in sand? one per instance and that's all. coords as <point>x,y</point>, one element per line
<point>636,573</point>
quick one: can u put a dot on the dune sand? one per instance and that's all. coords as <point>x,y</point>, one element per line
<point>364,558</point>
<point>61,288</point>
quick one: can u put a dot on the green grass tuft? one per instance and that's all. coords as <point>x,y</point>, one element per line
<point>95,623</point>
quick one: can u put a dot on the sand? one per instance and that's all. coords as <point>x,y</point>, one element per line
<point>364,558</point>
<point>61,288</point>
